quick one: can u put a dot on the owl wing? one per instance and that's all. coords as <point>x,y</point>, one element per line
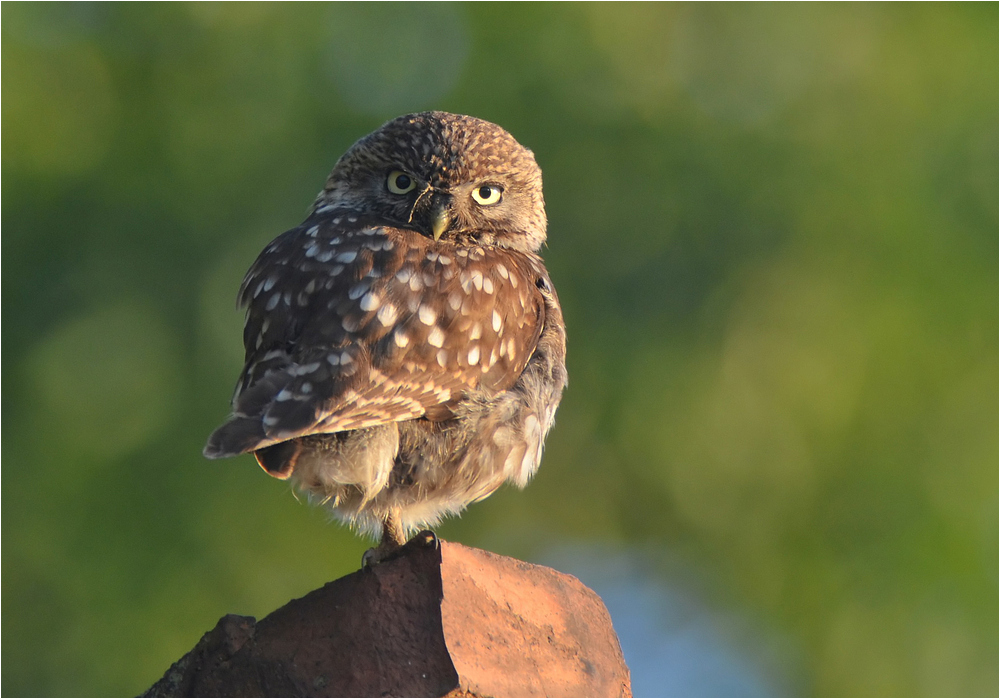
<point>352,324</point>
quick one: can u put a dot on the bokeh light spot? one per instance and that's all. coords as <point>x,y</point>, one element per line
<point>107,381</point>
<point>396,57</point>
<point>59,109</point>
<point>744,63</point>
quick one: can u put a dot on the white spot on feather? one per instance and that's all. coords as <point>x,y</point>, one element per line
<point>477,279</point>
<point>427,315</point>
<point>387,314</point>
<point>436,337</point>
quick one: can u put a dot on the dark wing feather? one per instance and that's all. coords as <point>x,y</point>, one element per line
<point>353,324</point>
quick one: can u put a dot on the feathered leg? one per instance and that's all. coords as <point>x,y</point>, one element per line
<point>393,537</point>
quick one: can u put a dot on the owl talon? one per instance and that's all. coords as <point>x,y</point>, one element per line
<point>379,554</point>
<point>427,539</point>
<point>383,552</point>
<point>371,557</point>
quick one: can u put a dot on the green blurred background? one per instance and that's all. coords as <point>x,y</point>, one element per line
<point>774,232</point>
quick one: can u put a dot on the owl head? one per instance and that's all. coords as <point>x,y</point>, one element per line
<point>456,179</point>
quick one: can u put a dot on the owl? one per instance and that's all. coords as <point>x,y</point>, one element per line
<point>405,347</point>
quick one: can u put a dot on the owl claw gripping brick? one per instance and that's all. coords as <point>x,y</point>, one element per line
<point>405,348</point>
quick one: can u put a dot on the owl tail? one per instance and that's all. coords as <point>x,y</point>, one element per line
<point>241,435</point>
<point>238,436</point>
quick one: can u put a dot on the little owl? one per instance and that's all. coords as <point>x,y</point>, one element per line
<point>405,348</point>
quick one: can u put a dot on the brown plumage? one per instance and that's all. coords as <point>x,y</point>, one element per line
<point>405,348</point>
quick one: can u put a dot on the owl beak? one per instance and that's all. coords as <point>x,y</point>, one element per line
<point>439,221</point>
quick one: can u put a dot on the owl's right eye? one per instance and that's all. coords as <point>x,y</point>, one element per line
<point>399,182</point>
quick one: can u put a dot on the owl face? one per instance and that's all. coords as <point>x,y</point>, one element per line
<point>452,178</point>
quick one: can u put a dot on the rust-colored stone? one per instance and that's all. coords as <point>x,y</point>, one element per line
<point>432,621</point>
<point>520,630</point>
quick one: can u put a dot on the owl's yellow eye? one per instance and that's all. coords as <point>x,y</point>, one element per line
<point>487,194</point>
<point>399,182</point>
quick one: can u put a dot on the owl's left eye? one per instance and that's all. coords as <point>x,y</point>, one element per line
<point>399,182</point>
<point>487,194</point>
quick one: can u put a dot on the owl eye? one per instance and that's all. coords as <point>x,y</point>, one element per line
<point>487,194</point>
<point>399,182</point>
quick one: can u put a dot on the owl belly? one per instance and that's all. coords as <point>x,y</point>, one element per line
<point>424,470</point>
